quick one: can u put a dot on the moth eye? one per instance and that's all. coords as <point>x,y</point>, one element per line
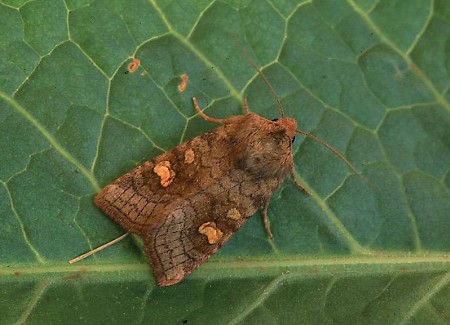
<point>274,120</point>
<point>293,139</point>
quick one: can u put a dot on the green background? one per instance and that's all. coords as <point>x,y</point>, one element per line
<point>369,77</point>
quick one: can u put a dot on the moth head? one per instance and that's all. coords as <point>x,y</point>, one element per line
<point>288,125</point>
<point>281,135</point>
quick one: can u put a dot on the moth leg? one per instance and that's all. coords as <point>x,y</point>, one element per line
<point>297,183</point>
<point>246,107</point>
<point>204,116</point>
<point>266,220</point>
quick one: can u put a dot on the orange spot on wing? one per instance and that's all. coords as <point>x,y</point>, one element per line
<point>189,156</point>
<point>234,214</point>
<point>210,230</point>
<point>164,171</point>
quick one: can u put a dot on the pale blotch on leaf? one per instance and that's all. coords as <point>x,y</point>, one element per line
<point>134,65</point>
<point>184,82</point>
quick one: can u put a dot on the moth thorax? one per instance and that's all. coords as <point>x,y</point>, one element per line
<point>268,155</point>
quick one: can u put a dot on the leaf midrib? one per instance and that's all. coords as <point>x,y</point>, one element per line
<point>327,265</point>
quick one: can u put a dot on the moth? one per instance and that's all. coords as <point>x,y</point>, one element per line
<point>188,202</point>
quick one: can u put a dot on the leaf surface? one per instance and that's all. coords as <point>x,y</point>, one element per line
<point>369,77</point>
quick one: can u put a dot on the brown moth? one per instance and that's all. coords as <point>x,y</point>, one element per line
<point>188,202</point>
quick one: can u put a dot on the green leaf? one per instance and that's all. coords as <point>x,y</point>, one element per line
<point>371,78</point>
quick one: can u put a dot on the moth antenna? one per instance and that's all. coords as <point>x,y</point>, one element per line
<point>95,250</point>
<point>266,81</point>
<point>337,153</point>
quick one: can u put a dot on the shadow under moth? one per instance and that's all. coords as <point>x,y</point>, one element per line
<point>187,202</point>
